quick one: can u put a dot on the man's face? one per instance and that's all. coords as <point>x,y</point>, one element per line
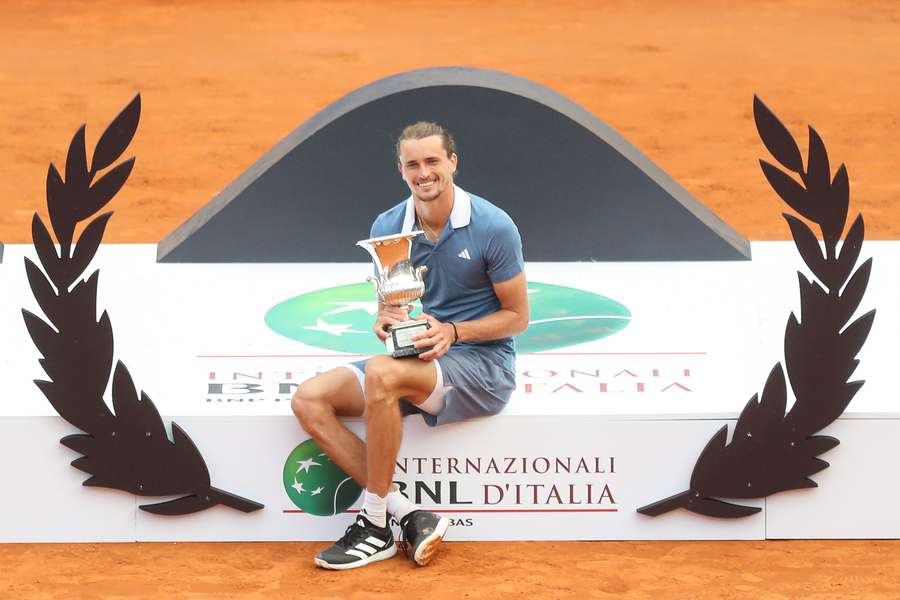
<point>425,167</point>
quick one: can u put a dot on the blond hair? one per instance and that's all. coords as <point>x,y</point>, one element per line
<point>424,129</point>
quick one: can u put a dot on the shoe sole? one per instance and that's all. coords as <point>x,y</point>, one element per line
<point>385,554</point>
<point>429,546</point>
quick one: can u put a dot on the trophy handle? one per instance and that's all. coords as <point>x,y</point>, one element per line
<point>420,271</point>
<point>377,285</point>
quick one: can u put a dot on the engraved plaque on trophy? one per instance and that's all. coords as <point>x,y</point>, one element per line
<point>397,283</point>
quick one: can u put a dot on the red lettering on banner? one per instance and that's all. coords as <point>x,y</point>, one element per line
<point>529,387</point>
<point>676,384</point>
<point>625,371</point>
<point>487,496</point>
<point>235,375</point>
<point>573,372</point>
<point>684,372</point>
<point>534,491</point>
<point>567,385</point>
<point>537,494</point>
<point>606,493</point>
<point>554,494</point>
<point>572,494</point>
<point>529,373</point>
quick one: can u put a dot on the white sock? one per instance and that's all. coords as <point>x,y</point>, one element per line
<point>399,505</point>
<point>375,508</point>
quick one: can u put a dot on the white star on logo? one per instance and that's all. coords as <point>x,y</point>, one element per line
<point>370,307</point>
<point>304,465</point>
<point>332,328</point>
<point>298,486</point>
<point>317,491</point>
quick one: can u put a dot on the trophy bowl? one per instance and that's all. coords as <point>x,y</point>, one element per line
<point>397,283</point>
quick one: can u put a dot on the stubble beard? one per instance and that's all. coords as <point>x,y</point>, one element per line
<point>438,192</point>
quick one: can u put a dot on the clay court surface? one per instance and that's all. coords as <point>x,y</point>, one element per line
<point>224,81</point>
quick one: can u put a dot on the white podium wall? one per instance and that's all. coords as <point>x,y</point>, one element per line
<point>700,341</point>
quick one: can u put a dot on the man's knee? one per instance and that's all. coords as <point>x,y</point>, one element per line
<point>384,376</point>
<point>310,404</point>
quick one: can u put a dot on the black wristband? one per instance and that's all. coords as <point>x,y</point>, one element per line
<point>455,332</point>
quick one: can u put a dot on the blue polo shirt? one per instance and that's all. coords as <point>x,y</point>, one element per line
<point>479,246</point>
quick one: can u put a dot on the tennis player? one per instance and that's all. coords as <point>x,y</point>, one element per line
<point>475,300</point>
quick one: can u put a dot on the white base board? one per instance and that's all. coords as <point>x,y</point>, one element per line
<point>701,341</point>
<point>651,459</point>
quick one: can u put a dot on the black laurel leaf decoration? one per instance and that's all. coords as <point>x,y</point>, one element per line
<point>792,192</point>
<point>778,140</point>
<point>817,164</point>
<point>117,136</point>
<point>46,251</point>
<point>772,451</point>
<point>849,250</point>
<point>60,212</point>
<point>87,246</point>
<point>126,448</point>
<point>807,245</point>
<point>853,292</point>
<point>840,199</point>
<point>104,189</point>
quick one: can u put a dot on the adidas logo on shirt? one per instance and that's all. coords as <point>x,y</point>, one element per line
<point>465,254</point>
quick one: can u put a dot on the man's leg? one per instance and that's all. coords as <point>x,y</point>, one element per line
<point>387,381</point>
<point>318,404</point>
<point>320,401</point>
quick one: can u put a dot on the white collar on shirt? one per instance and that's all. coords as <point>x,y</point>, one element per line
<point>459,216</point>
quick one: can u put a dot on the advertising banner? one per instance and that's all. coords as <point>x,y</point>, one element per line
<point>626,371</point>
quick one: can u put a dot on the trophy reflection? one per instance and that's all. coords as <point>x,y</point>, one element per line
<point>397,283</point>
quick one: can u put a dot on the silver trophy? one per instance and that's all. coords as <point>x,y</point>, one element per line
<point>398,283</point>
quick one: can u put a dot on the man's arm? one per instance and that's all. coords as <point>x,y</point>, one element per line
<point>510,319</point>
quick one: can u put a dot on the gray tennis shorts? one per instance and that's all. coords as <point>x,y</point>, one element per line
<point>475,384</point>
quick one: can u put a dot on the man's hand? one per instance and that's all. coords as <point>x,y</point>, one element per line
<point>439,336</point>
<point>390,315</point>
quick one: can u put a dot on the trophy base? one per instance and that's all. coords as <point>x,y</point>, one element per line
<point>399,341</point>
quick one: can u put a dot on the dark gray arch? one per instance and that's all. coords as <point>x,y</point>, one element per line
<point>576,188</point>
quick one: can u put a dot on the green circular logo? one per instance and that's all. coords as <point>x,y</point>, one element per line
<point>340,318</point>
<point>316,484</point>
